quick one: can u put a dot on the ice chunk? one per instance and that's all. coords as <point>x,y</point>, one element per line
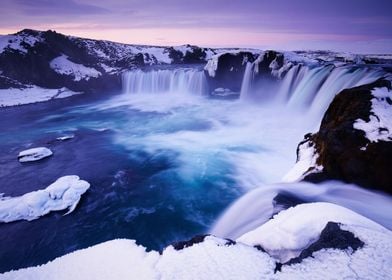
<point>64,193</point>
<point>34,154</point>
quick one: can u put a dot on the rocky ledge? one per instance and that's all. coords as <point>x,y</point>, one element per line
<point>354,142</point>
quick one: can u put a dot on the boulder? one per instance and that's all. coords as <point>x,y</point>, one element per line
<point>354,142</point>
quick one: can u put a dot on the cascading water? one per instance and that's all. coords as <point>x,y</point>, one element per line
<point>247,81</point>
<point>180,81</point>
<point>257,206</point>
<point>310,89</point>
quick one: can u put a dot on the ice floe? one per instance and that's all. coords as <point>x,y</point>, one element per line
<point>34,154</point>
<point>64,193</point>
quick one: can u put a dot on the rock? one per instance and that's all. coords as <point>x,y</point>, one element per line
<point>345,152</point>
<point>333,237</point>
<point>226,70</point>
<point>198,239</point>
<point>34,154</point>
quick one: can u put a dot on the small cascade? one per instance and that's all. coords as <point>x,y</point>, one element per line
<point>247,81</point>
<point>176,81</point>
<point>311,90</point>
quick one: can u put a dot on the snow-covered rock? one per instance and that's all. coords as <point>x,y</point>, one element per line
<point>216,258</point>
<point>64,66</point>
<point>32,94</point>
<point>354,143</point>
<point>64,193</point>
<point>293,230</point>
<point>34,154</point>
<point>379,126</point>
<point>306,162</point>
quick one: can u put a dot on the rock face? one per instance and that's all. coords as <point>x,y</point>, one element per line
<point>332,237</point>
<point>346,152</point>
<point>226,70</point>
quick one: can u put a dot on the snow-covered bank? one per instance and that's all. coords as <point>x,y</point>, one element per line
<point>33,94</point>
<point>34,154</point>
<point>64,193</point>
<point>215,258</point>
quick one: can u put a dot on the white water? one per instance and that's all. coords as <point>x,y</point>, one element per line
<point>247,81</point>
<point>187,80</point>
<point>253,138</point>
<point>308,89</point>
<point>256,207</point>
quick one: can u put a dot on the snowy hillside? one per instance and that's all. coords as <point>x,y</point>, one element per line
<point>55,62</point>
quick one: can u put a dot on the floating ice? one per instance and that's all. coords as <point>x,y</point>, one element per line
<point>34,154</point>
<point>64,193</point>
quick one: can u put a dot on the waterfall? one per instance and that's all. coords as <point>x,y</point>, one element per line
<point>247,81</point>
<point>310,89</point>
<point>176,81</point>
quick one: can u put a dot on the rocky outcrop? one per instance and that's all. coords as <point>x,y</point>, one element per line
<point>332,237</point>
<point>354,142</point>
<point>226,70</point>
<point>47,59</point>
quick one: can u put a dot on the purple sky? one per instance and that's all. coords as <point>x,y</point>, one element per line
<point>348,25</point>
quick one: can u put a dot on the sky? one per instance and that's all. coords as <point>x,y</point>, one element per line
<point>361,26</point>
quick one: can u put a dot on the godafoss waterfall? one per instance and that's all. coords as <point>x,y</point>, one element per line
<point>176,154</point>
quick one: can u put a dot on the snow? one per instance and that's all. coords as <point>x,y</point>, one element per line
<point>14,42</point>
<point>184,49</point>
<point>64,193</point>
<point>65,137</point>
<point>63,66</point>
<point>293,230</point>
<point>160,53</point>
<point>31,94</point>
<point>306,163</point>
<point>215,259</point>
<point>379,127</point>
<point>34,154</point>
<point>212,259</point>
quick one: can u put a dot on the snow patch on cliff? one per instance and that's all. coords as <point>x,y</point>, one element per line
<point>64,66</point>
<point>306,163</point>
<point>379,127</point>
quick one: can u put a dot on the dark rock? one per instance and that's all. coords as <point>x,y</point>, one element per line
<point>332,237</point>
<point>230,71</point>
<point>197,239</point>
<point>285,200</point>
<point>194,240</point>
<point>339,144</point>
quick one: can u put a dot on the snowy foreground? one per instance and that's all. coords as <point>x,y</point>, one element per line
<point>284,236</point>
<point>64,193</point>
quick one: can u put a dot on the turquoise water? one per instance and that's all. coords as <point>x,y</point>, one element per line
<point>162,168</point>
